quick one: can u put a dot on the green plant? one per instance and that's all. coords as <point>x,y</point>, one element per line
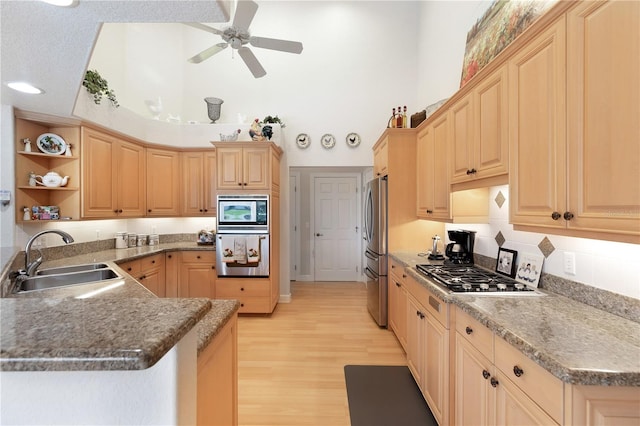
<point>99,87</point>
<point>272,120</point>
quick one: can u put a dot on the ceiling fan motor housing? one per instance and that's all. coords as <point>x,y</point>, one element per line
<point>236,37</point>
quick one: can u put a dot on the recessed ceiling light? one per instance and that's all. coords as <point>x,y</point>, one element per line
<point>63,3</point>
<point>24,87</point>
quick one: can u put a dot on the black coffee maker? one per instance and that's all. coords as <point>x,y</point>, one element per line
<point>460,250</point>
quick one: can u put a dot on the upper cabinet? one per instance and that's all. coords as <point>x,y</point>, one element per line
<point>66,198</point>
<point>113,173</point>
<point>163,182</point>
<point>433,190</point>
<point>575,157</point>
<point>381,157</point>
<point>603,117</point>
<point>198,183</point>
<point>479,134</point>
<point>243,167</point>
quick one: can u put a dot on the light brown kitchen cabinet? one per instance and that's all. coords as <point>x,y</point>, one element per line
<point>274,251</point>
<point>149,271</point>
<point>501,385</point>
<point>171,268</point>
<point>433,189</point>
<point>66,198</point>
<point>243,167</point>
<point>163,182</point>
<point>197,274</point>
<point>198,183</point>
<point>113,176</point>
<point>479,134</point>
<point>428,347</point>
<point>602,405</point>
<point>603,125</point>
<point>217,395</point>
<point>398,302</point>
<point>381,157</point>
<point>254,294</point>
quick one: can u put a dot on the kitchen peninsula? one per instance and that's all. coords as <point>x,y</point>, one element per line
<point>116,354</point>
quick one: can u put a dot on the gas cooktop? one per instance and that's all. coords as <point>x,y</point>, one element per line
<point>473,280</point>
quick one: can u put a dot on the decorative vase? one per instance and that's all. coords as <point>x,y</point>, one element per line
<point>213,108</point>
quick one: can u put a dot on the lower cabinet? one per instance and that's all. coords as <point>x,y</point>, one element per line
<point>497,384</point>
<point>254,294</point>
<point>197,276</point>
<point>217,399</point>
<point>398,300</point>
<point>171,268</point>
<point>148,271</point>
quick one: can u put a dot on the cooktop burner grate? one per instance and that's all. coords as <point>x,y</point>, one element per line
<point>471,279</point>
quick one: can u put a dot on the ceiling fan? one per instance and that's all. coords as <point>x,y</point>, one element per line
<point>237,36</point>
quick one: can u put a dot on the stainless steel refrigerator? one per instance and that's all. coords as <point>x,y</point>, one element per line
<point>375,236</point>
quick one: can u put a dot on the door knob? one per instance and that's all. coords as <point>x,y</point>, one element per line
<point>318,235</point>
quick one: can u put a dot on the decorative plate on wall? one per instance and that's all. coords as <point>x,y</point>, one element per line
<point>353,139</point>
<point>303,140</point>
<point>328,141</point>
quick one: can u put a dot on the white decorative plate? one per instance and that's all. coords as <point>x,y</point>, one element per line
<point>328,141</point>
<point>353,139</point>
<point>50,143</point>
<point>303,140</point>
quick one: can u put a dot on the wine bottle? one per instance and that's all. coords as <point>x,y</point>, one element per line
<point>393,119</point>
<point>404,117</point>
<point>399,118</point>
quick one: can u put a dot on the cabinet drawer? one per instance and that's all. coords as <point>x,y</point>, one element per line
<point>541,386</point>
<point>254,305</point>
<point>396,268</point>
<point>436,307</point>
<point>476,333</point>
<point>237,289</point>
<point>132,267</point>
<point>199,256</point>
<point>150,262</point>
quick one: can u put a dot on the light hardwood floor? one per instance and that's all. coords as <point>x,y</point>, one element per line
<point>290,364</point>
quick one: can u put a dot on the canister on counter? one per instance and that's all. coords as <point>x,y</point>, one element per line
<point>133,239</point>
<point>122,240</point>
<point>142,240</point>
<point>154,239</point>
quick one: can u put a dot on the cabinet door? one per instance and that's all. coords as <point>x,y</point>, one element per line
<point>462,139</point>
<point>196,280</point>
<point>171,266</point>
<point>210,192</point>
<point>131,178</point>
<point>415,340</point>
<point>514,407</point>
<point>153,280</point>
<point>192,184</point>
<point>163,182</point>
<point>474,396</point>
<point>381,158</point>
<point>229,168</point>
<point>490,154</point>
<point>99,180</point>
<point>537,173</point>
<point>436,369</point>
<point>255,168</point>
<point>398,309</point>
<point>441,189</point>
<point>603,104</point>
<point>424,173</point>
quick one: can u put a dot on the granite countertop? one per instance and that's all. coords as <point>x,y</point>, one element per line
<point>113,326</point>
<point>575,342</point>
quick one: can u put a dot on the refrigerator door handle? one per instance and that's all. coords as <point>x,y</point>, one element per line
<point>370,274</point>
<point>370,255</point>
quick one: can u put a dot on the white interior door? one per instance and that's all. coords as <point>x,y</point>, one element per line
<point>336,229</point>
<point>294,226</point>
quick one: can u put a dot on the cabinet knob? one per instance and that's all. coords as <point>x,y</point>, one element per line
<point>398,285</point>
<point>241,305</point>
<point>153,261</point>
<point>119,210</point>
<point>198,257</point>
<point>200,210</point>
<point>517,371</point>
<point>404,275</point>
<point>213,267</point>
<point>485,374</point>
<point>169,256</point>
<point>429,211</point>
<point>129,268</point>
<point>239,184</point>
<point>318,235</point>
<point>555,215</point>
<point>494,382</point>
<point>205,210</point>
<point>567,216</point>
<point>241,288</point>
<point>244,184</point>
<point>149,211</point>
<point>468,330</point>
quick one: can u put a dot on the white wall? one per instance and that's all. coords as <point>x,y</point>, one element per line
<point>7,175</point>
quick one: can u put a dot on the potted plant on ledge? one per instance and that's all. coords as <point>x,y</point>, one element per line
<point>99,87</point>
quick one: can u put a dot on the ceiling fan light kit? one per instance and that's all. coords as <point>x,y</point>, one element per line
<point>237,36</point>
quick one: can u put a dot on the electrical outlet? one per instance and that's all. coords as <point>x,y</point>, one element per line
<point>569,262</point>
<point>97,234</point>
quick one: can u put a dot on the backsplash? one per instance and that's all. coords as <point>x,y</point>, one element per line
<point>604,265</point>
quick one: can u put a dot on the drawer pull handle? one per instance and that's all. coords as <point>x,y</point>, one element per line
<point>494,382</point>
<point>434,303</point>
<point>517,371</point>
<point>485,374</point>
<point>468,330</point>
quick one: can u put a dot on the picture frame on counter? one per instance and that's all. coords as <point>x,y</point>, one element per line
<point>529,269</point>
<point>506,262</point>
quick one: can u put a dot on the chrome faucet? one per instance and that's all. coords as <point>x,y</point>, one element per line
<point>30,267</point>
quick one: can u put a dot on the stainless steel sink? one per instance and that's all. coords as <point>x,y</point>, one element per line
<point>74,268</point>
<point>44,282</point>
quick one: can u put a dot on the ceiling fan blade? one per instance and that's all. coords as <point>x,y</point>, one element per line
<point>207,53</point>
<point>245,11</point>
<point>276,44</point>
<point>252,62</point>
<point>204,27</point>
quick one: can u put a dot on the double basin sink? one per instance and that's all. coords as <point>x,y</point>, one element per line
<point>67,276</point>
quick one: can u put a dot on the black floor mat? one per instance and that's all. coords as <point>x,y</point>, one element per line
<point>381,395</point>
